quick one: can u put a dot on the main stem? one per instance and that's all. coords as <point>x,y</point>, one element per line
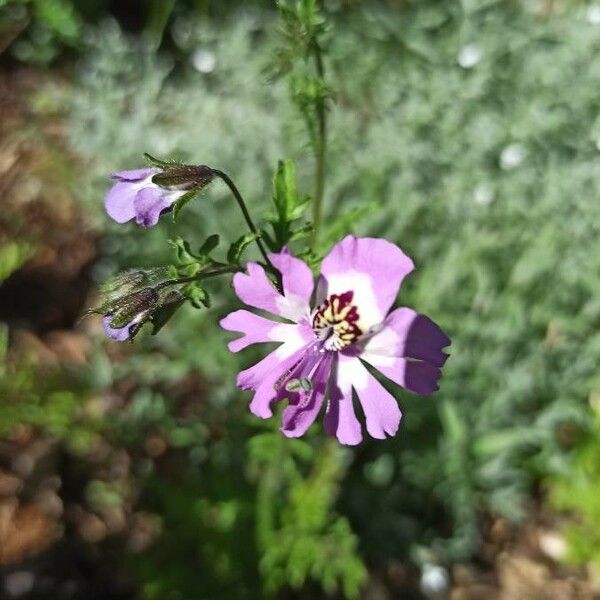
<point>238,197</point>
<point>320,149</point>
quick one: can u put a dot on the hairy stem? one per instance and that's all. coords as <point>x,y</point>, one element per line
<point>238,197</point>
<point>320,149</point>
<point>221,270</point>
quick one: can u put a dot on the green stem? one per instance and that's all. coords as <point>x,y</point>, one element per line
<point>199,276</point>
<point>238,197</point>
<point>320,149</point>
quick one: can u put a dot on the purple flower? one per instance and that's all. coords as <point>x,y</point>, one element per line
<point>135,196</point>
<point>323,350</point>
<point>120,334</point>
<point>125,315</point>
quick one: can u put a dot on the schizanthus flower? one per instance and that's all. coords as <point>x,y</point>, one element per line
<point>146,194</point>
<point>323,350</point>
<point>135,297</point>
<point>123,319</point>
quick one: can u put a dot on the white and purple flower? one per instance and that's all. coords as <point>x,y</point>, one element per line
<point>323,350</point>
<point>145,194</point>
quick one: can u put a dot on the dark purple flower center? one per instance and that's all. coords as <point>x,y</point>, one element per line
<point>335,321</point>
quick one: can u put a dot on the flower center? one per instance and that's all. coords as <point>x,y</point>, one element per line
<point>335,322</point>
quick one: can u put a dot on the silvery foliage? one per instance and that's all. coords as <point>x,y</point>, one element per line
<point>413,136</point>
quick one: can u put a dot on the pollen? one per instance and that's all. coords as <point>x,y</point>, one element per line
<point>335,322</point>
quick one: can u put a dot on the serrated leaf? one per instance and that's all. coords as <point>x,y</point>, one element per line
<point>184,252</point>
<point>237,248</point>
<point>197,295</point>
<point>187,197</point>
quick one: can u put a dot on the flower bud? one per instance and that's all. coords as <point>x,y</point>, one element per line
<point>146,194</point>
<point>128,313</point>
<point>184,177</point>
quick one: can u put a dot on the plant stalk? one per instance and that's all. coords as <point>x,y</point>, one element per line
<point>199,276</point>
<point>320,150</point>
<point>240,200</point>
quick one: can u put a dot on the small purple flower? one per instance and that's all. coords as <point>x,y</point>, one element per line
<point>124,315</point>
<point>120,334</point>
<point>145,194</point>
<point>136,196</point>
<point>323,350</point>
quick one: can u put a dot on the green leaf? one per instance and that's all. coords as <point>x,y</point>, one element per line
<point>237,248</point>
<point>189,270</point>
<point>285,195</point>
<point>299,208</point>
<point>161,316</point>
<point>157,162</point>
<point>183,201</point>
<point>184,252</point>
<point>302,232</point>
<point>211,242</point>
<point>271,244</point>
<point>197,295</point>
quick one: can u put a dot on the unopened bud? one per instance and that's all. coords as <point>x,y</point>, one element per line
<point>133,307</point>
<point>184,177</point>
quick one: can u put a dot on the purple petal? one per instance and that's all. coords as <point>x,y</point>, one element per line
<point>417,336</point>
<point>380,408</point>
<point>303,369</point>
<point>298,337</point>
<point>256,329</point>
<point>256,289</point>
<point>150,203</point>
<point>340,419</point>
<point>301,414</point>
<point>416,376</point>
<point>408,350</point>
<point>297,277</point>
<point>372,269</point>
<point>119,202</point>
<point>134,174</point>
<point>120,334</point>
<point>265,376</point>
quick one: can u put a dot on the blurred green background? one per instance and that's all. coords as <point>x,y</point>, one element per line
<point>468,133</point>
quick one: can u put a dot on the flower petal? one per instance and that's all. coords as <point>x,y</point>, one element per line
<point>134,174</point>
<point>256,329</point>
<point>301,414</point>
<point>340,419</point>
<point>408,350</point>
<point>256,289</point>
<point>263,377</point>
<point>296,275</point>
<point>119,202</point>
<point>406,333</point>
<point>381,409</point>
<point>120,334</point>
<point>372,269</point>
<point>150,203</point>
<point>298,337</point>
<point>416,376</point>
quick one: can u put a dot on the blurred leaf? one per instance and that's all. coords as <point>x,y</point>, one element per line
<point>234,254</point>
<point>197,295</point>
